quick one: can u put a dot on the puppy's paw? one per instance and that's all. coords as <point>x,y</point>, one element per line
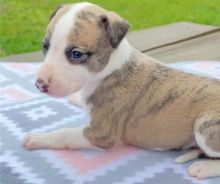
<point>202,169</point>
<point>34,141</point>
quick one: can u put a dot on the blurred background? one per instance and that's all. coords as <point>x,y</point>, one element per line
<point>23,22</point>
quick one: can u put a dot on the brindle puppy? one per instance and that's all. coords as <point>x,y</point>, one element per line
<point>129,96</point>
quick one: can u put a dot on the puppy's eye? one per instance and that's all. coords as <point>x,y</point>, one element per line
<point>74,55</point>
<point>45,46</point>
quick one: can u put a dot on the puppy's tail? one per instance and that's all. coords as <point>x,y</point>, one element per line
<point>190,155</point>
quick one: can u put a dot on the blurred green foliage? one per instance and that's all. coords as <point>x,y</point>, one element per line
<point>23,22</point>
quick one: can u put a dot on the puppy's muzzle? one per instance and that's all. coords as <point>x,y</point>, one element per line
<point>42,86</point>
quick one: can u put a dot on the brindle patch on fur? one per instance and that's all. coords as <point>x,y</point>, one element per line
<point>213,137</point>
<point>86,16</point>
<point>161,103</point>
<point>200,94</point>
<point>208,124</point>
<point>201,89</point>
<point>209,128</point>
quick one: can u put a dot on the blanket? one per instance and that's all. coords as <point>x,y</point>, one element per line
<point>23,109</point>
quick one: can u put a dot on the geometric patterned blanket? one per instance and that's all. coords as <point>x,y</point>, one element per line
<point>23,109</point>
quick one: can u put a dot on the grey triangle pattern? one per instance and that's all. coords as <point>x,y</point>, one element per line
<point>7,176</point>
<point>30,111</point>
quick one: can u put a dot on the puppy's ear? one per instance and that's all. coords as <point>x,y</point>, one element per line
<point>55,11</point>
<point>116,28</point>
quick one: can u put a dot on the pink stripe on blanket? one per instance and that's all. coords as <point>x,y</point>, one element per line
<point>15,93</point>
<point>204,66</point>
<point>77,160</point>
<point>22,67</point>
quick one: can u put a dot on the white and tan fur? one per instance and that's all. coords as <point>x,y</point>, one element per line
<point>129,96</point>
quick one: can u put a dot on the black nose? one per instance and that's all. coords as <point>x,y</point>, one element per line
<point>41,86</point>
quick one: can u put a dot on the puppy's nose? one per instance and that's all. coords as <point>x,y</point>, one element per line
<point>41,85</point>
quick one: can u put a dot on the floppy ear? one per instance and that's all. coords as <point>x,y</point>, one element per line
<point>55,11</point>
<point>116,29</point>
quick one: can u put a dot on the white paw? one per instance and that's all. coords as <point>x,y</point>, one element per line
<point>34,141</point>
<point>202,169</point>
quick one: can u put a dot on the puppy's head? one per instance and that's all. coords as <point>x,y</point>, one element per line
<point>78,43</point>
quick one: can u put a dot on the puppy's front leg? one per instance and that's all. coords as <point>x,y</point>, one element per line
<point>71,138</point>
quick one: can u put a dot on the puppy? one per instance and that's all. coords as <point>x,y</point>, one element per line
<point>129,96</point>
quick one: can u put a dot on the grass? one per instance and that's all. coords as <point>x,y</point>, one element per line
<point>22,22</point>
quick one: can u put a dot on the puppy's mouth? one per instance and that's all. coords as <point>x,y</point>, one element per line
<point>57,92</point>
